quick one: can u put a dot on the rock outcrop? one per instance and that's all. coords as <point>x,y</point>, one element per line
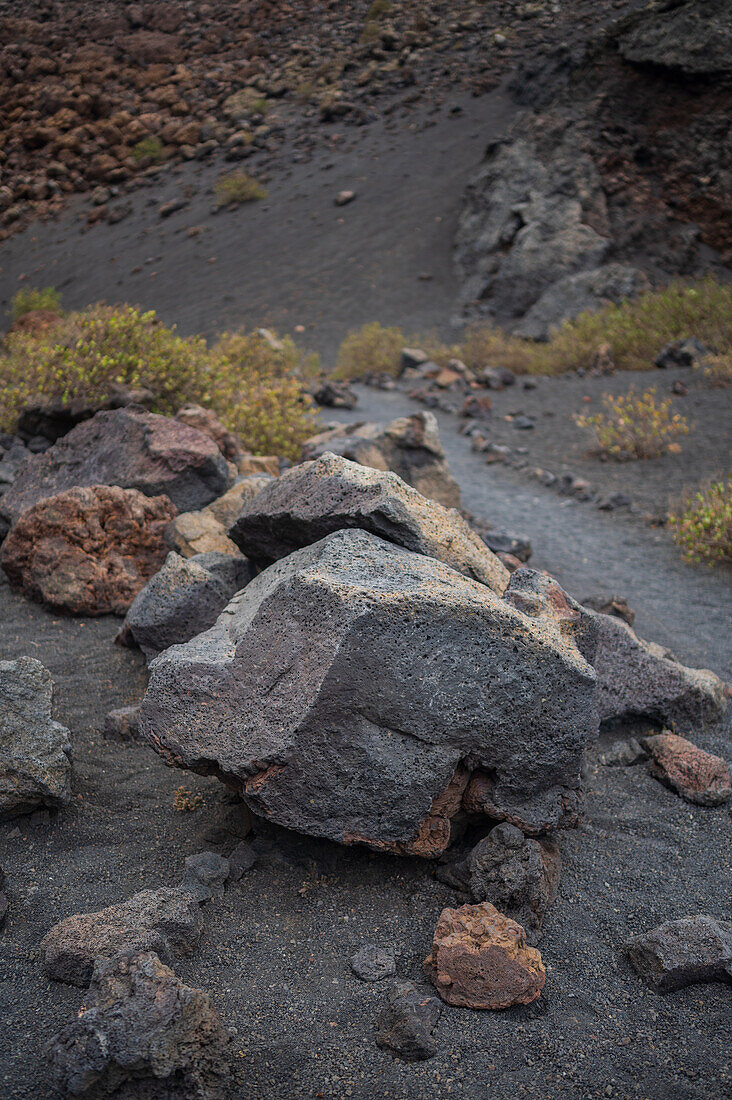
<point>406,1026</point>
<point>35,751</point>
<point>166,920</point>
<point>129,448</point>
<point>183,599</point>
<point>278,697</point>
<point>331,493</point>
<point>480,959</point>
<point>88,551</point>
<point>141,1032</point>
<point>409,446</point>
<point>692,37</point>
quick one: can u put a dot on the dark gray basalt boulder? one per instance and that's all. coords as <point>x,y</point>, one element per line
<point>184,598</point>
<point>638,679</point>
<point>130,448</point>
<point>331,493</point>
<point>35,751</point>
<point>683,952</point>
<point>356,666</point>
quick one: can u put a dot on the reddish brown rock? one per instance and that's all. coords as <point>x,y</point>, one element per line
<point>480,959</point>
<point>88,551</point>
<point>696,775</point>
<point>206,421</point>
<point>36,322</point>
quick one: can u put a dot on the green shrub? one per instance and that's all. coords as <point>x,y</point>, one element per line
<point>31,298</point>
<point>149,148</point>
<point>635,427</point>
<point>372,349</point>
<point>238,187</point>
<point>255,389</point>
<point>702,523</point>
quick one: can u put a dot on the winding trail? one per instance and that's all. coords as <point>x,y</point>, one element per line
<point>686,608</point>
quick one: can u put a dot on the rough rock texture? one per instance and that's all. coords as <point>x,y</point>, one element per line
<point>88,551</point>
<point>278,697</point>
<point>316,498</point>
<point>206,421</point>
<point>141,1033</point>
<point>696,775</point>
<point>480,959</point>
<point>52,417</point>
<point>257,465</point>
<point>528,223</point>
<point>193,533</point>
<point>166,920</point>
<point>642,679</point>
<point>409,446</point>
<point>3,899</point>
<point>518,875</point>
<point>184,598</point>
<point>205,875</point>
<point>575,294</point>
<point>683,952</point>
<point>371,963</point>
<point>693,37</point>
<point>129,448</point>
<point>35,751</point>
<point>406,1025</point>
<point>205,531</point>
<point>122,724</point>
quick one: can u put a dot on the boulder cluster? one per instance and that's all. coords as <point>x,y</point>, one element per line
<point>346,633</point>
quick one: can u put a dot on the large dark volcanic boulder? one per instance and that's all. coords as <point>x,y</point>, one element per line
<point>692,37</point>
<point>88,551</point>
<point>130,448</point>
<point>316,498</point>
<point>409,445</point>
<point>184,598</point>
<point>350,690</point>
<point>35,751</point>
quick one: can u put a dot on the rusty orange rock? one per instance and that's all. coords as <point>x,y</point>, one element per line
<point>88,551</point>
<point>480,959</point>
<point>696,775</point>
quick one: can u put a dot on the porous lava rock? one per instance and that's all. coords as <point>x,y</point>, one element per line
<point>88,551</point>
<point>480,959</point>
<point>35,751</point>
<point>206,421</point>
<point>141,1033</point>
<point>409,446</point>
<point>205,531</point>
<point>517,874</point>
<point>130,448</point>
<point>638,679</point>
<point>683,952</point>
<point>696,775</point>
<point>184,598</point>
<point>166,920</point>
<point>332,493</point>
<point>355,665</point>
<point>406,1025</point>
<point>692,37</point>
<point>372,964</point>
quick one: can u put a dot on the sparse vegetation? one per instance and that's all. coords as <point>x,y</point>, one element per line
<point>702,523</point>
<point>255,387</point>
<point>149,148</point>
<point>185,801</point>
<point>32,298</point>
<point>372,349</point>
<point>635,426</point>
<point>378,9</point>
<point>718,370</point>
<point>238,187</point>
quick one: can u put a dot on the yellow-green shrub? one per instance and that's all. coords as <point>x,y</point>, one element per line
<point>702,523</point>
<point>634,426</point>
<point>238,187</point>
<point>718,370</point>
<point>255,389</point>
<point>31,298</point>
<point>372,349</point>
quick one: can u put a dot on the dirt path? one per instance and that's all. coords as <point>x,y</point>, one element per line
<point>683,607</point>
